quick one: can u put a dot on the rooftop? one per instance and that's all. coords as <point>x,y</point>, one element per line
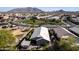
<point>41,32</point>
<point>61,32</point>
<point>75,29</point>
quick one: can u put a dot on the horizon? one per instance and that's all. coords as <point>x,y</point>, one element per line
<point>5,9</point>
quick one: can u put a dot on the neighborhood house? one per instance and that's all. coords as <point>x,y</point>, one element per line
<point>40,36</point>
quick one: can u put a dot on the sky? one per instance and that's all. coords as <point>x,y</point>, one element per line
<point>4,9</point>
<point>67,5</point>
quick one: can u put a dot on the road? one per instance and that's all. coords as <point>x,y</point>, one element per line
<point>19,24</point>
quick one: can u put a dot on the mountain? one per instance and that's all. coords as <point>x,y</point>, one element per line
<point>61,10</point>
<point>28,9</point>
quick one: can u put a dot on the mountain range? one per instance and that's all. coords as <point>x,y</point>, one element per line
<point>28,9</point>
<point>37,10</point>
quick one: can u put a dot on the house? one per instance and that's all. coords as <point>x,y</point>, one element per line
<point>75,19</point>
<point>40,36</point>
<point>62,32</point>
<point>75,30</point>
<point>54,17</point>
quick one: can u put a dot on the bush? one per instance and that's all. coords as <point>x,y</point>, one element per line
<point>7,40</point>
<point>66,44</point>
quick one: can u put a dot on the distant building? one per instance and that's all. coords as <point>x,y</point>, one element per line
<point>41,17</point>
<point>54,17</point>
<point>75,30</point>
<point>40,36</point>
<point>75,19</point>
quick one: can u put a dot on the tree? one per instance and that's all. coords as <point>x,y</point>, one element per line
<point>33,18</point>
<point>69,18</point>
<point>56,46</point>
<point>7,40</point>
<point>46,21</point>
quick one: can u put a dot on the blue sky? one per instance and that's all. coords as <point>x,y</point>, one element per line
<point>45,8</point>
